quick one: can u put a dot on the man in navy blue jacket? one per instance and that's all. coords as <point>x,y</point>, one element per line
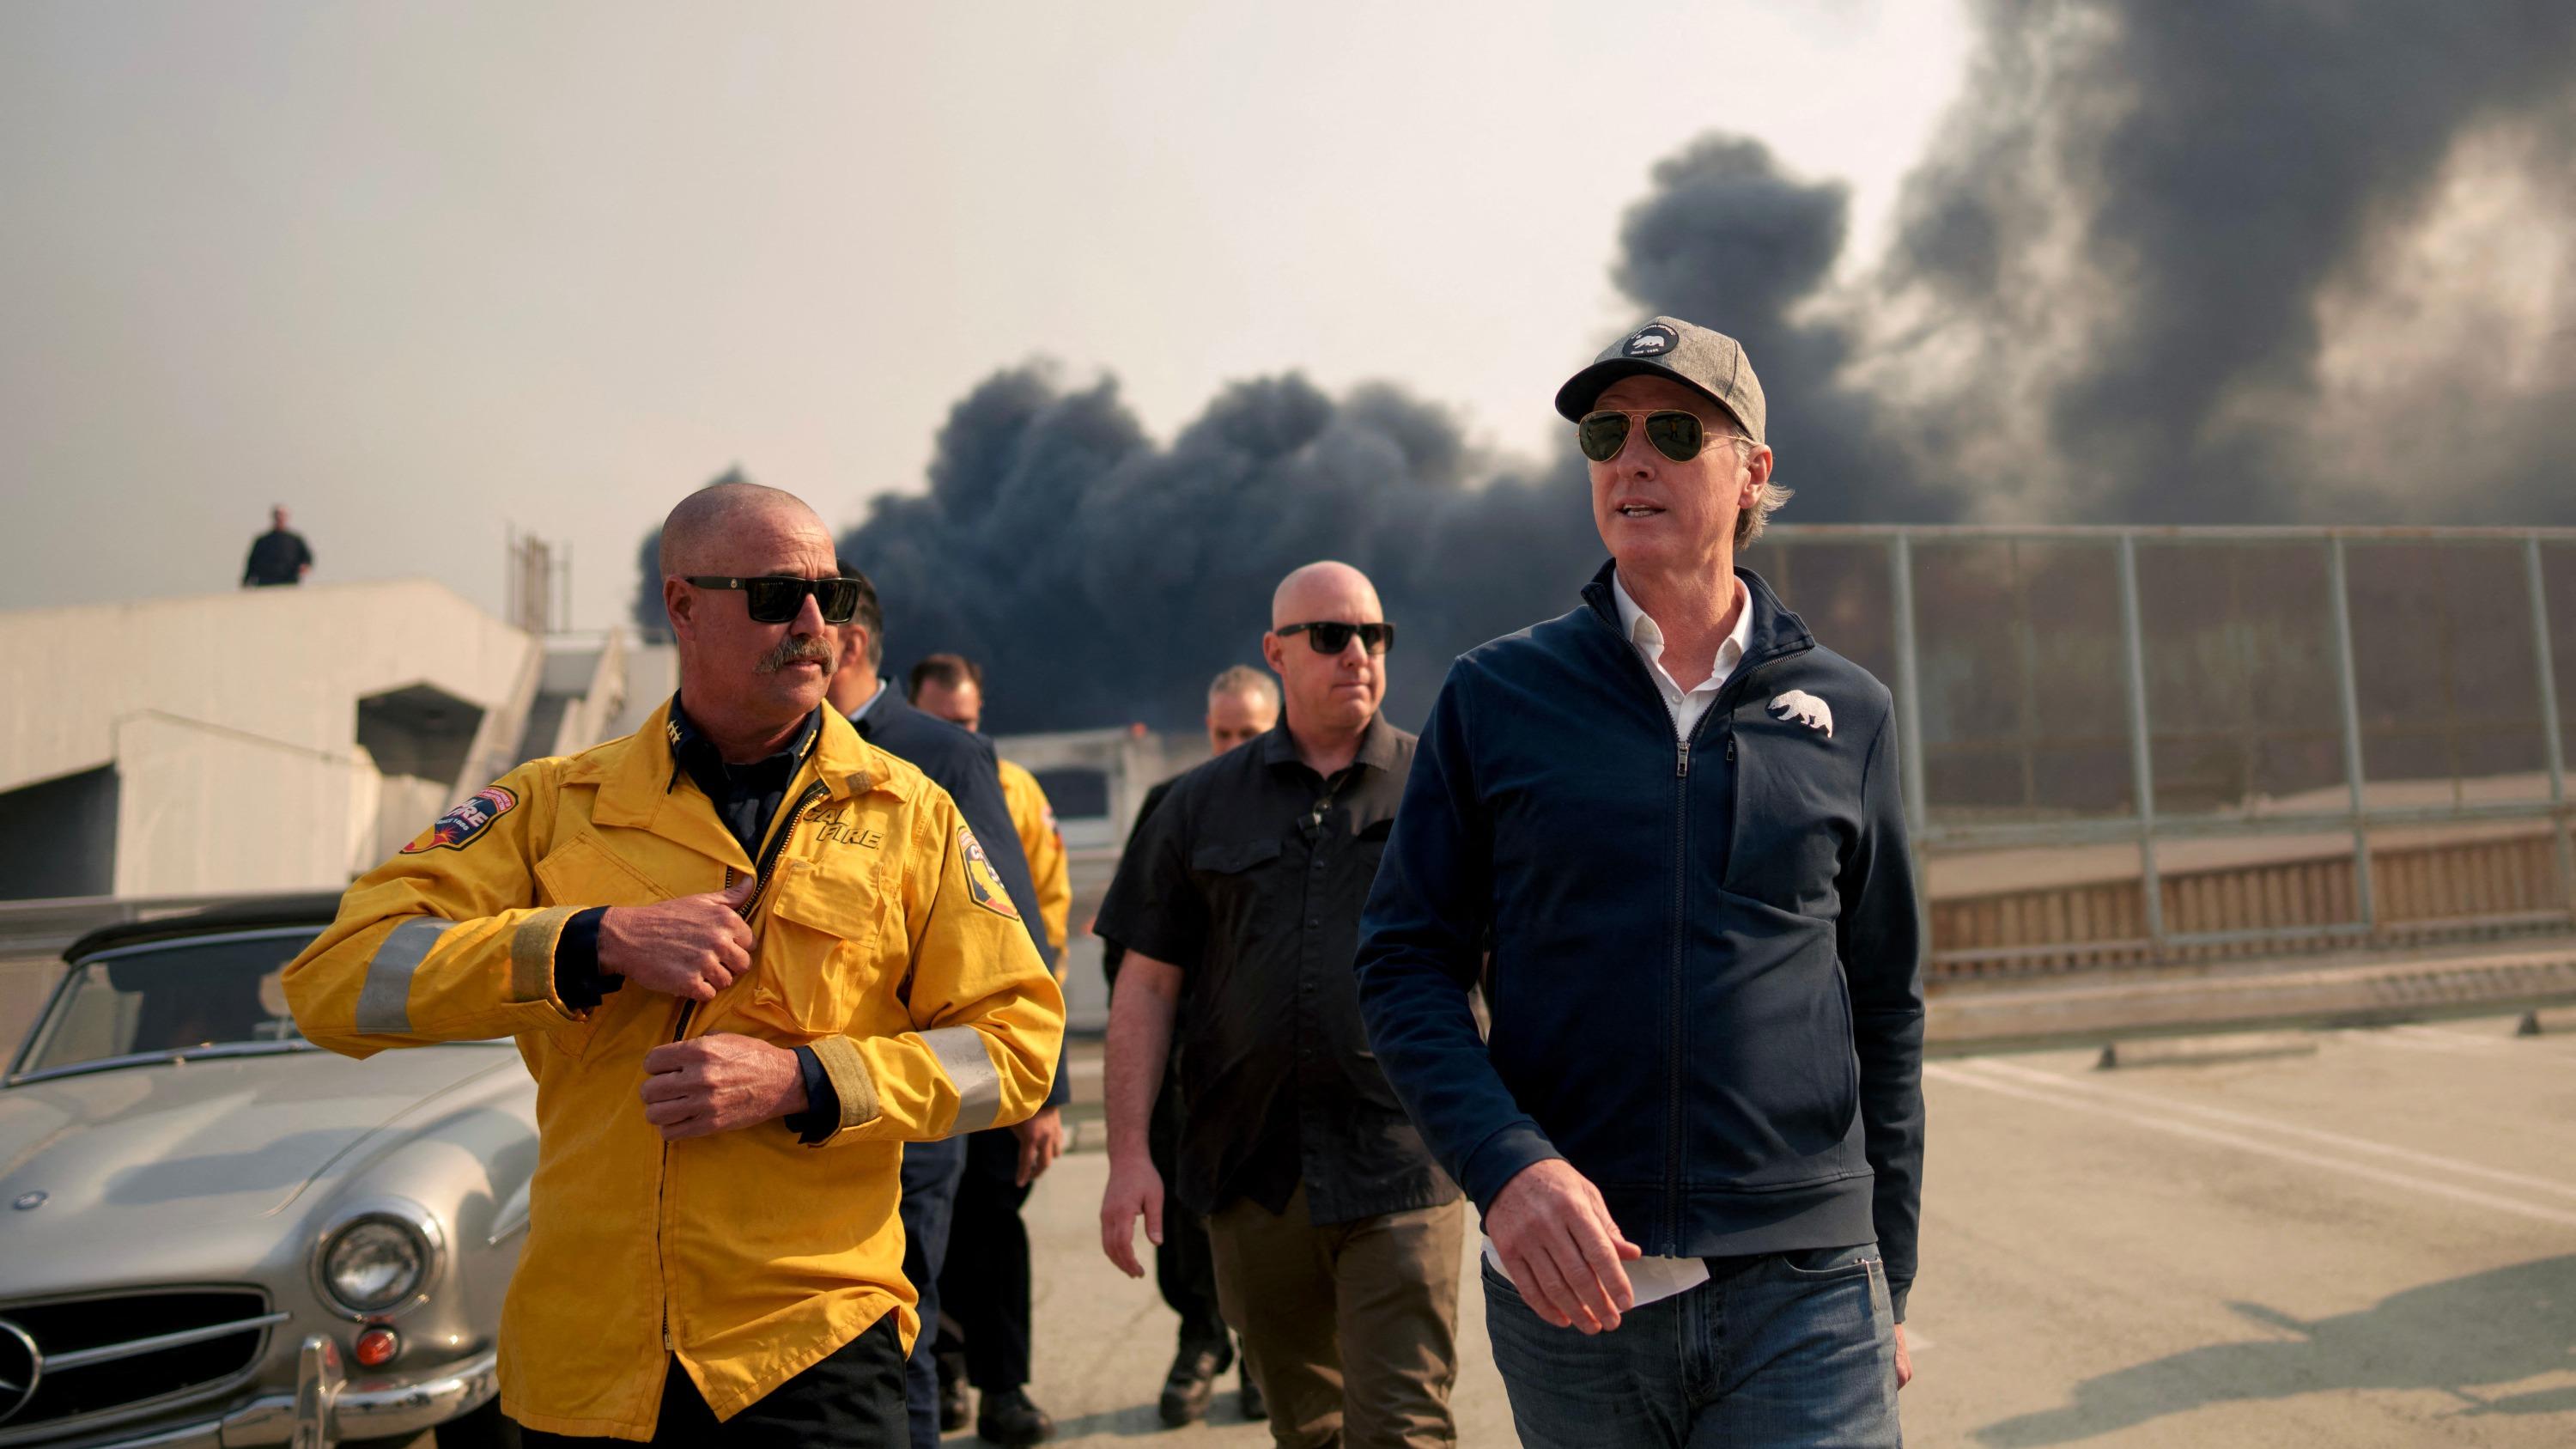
<point>1666,831</point>
<point>963,765</point>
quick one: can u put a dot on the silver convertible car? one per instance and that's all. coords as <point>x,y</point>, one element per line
<point>214,1233</point>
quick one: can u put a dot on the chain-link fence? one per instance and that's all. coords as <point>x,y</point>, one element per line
<point>2136,745</point>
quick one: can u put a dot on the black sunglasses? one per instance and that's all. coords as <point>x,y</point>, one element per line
<point>1676,434</point>
<point>777,600</point>
<point>1334,638</point>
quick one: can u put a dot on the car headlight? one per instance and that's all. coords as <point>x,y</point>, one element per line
<point>374,1264</point>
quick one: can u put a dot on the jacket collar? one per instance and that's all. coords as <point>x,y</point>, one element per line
<point>1775,630</point>
<point>693,754</point>
<point>883,708</point>
<point>634,776</point>
<point>1377,745</point>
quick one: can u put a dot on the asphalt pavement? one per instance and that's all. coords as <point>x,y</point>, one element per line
<point>2346,1238</point>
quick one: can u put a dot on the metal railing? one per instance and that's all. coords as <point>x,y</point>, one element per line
<point>2168,690</point>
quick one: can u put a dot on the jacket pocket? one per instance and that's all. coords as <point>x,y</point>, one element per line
<point>1796,810</point>
<point>1234,858</point>
<point>817,957</point>
<point>1773,1058</point>
<point>1238,880</point>
<point>584,872</point>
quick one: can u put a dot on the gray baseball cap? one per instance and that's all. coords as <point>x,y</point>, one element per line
<point>1710,363</point>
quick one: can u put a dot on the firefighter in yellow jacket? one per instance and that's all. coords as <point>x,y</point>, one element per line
<point>951,687</point>
<point>1042,840</point>
<point>746,957</point>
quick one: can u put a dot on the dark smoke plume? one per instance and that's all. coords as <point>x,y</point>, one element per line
<point>2175,255</point>
<point>1101,579</point>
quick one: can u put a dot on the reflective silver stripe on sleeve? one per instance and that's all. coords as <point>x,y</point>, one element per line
<point>384,1003</point>
<point>962,1056</point>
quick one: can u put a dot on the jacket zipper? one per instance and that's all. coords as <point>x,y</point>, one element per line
<point>769,854</point>
<point>1722,706</point>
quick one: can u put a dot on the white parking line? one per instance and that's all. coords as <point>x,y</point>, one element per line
<point>2153,1102</point>
<point>1970,1075</point>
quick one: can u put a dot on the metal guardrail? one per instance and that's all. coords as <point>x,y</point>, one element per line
<point>1931,670</point>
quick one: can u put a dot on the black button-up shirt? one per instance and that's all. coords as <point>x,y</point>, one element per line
<point>1249,876</point>
<point>746,798</point>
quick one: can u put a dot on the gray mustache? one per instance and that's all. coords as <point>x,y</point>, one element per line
<point>793,648</point>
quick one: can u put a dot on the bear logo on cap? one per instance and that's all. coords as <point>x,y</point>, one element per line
<point>1652,340</point>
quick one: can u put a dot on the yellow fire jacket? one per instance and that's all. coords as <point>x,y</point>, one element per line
<point>1043,843</point>
<point>884,942</point>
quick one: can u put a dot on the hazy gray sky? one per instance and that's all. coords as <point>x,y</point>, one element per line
<point>420,271</point>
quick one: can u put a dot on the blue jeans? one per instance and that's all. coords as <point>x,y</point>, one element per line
<point>1785,1349</point>
<point>930,1174</point>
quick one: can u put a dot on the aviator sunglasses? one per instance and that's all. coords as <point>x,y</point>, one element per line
<point>775,600</point>
<point>1676,434</point>
<point>1334,638</point>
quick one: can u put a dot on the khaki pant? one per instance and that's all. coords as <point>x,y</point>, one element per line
<point>1353,1327</point>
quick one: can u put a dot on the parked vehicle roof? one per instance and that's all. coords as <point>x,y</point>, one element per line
<point>313,908</point>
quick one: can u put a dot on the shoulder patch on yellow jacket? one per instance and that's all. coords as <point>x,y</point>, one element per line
<point>981,880</point>
<point>465,821</point>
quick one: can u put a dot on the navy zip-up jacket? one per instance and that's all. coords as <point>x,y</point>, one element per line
<point>1705,985</point>
<point>961,762</point>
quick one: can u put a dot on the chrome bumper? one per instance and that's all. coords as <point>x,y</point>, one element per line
<point>327,1406</point>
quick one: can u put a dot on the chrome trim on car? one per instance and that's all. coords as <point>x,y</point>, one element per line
<point>211,938</point>
<point>359,1408</point>
<point>13,1395</point>
<point>37,1038</point>
<point>408,1213</point>
<point>149,1406</point>
<point>317,1391</point>
<point>110,1352</point>
<point>166,1059</point>
<point>366,1410</point>
<point>433,1236</point>
<point>511,1218</point>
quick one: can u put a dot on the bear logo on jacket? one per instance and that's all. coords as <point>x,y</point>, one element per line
<point>1806,709</point>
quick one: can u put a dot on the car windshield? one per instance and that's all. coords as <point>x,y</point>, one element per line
<point>178,998</point>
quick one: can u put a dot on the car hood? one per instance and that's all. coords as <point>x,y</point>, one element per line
<point>200,1145</point>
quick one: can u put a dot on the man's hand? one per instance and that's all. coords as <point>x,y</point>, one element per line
<point>718,1083</point>
<point>691,948</point>
<point>1561,1249</point>
<point>1134,1187</point>
<point>1904,1361</point>
<point>1041,1142</point>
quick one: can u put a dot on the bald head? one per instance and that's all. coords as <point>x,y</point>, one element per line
<point>1328,695</point>
<point>699,527</point>
<point>748,682</point>
<point>1325,590</point>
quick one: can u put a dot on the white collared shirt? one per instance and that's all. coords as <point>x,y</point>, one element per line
<point>862,711</point>
<point>1685,706</point>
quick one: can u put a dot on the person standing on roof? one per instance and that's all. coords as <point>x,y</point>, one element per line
<point>278,556</point>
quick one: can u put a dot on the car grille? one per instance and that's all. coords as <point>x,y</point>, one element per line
<point>125,1350</point>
